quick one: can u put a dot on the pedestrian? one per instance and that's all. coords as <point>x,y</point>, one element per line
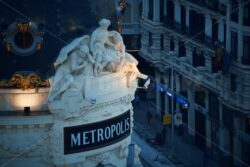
<point>158,139</point>
<point>164,134</point>
<point>149,116</point>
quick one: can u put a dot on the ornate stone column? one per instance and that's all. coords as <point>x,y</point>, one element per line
<point>144,40</point>
<point>187,17</point>
<point>158,94</point>
<point>178,89</point>
<point>191,112</point>
<point>221,31</point>
<point>156,16</point>
<point>177,14</point>
<point>165,8</point>
<point>221,130</point>
<point>145,7</point>
<point>240,34</point>
<point>208,60</point>
<point>156,48</point>
<point>166,99</point>
<point>167,42</point>
<point>208,28</point>
<point>228,22</point>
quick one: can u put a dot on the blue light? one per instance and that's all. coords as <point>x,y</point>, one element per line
<point>185,105</point>
<point>169,93</point>
<point>180,100</point>
<point>159,88</point>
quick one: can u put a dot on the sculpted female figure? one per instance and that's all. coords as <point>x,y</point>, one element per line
<point>99,43</point>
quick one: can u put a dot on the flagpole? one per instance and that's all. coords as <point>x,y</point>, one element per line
<point>172,102</point>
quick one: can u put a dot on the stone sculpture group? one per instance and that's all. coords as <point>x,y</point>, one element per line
<point>100,54</point>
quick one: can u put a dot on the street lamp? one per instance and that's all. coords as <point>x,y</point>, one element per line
<point>172,53</point>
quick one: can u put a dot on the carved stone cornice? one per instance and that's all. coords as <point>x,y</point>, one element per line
<point>58,108</point>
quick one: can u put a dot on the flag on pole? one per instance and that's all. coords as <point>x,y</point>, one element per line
<point>222,59</point>
<point>217,57</point>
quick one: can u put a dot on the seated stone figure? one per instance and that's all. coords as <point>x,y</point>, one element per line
<point>74,62</point>
<point>83,62</point>
<point>127,63</point>
<point>101,47</point>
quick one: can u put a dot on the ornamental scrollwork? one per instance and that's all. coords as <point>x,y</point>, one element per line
<point>25,81</point>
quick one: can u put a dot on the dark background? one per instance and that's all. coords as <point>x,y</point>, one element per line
<point>61,21</point>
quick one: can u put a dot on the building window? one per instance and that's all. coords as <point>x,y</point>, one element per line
<point>214,31</point>
<point>246,14</point>
<point>234,11</point>
<point>198,59</point>
<point>227,117</point>
<point>161,10</point>
<point>246,50</point>
<point>234,44</point>
<point>213,107</point>
<point>233,82</point>
<point>150,39</point>
<point>183,18</point>
<point>246,153</point>
<point>170,13</point>
<point>132,42</point>
<point>247,127</point>
<point>150,9</point>
<point>197,25</point>
<point>182,49</point>
<point>200,98</point>
<point>171,44</point>
<point>162,41</point>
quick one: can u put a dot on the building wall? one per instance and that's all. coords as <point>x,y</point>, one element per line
<point>191,29</point>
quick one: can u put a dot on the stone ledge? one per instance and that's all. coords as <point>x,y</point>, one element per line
<point>13,121</point>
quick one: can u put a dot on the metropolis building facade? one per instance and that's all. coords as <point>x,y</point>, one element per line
<point>57,107</point>
<point>218,116</point>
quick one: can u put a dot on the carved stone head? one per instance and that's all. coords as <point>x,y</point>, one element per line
<point>104,23</point>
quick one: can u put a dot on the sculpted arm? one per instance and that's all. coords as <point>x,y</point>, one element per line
<point>91,59</point>
<point>75,65</point>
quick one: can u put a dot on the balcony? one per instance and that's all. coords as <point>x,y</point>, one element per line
<point>213,5</point>
<point>130,28</point>
<point>199,74</point>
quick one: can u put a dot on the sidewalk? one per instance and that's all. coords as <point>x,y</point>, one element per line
<point>185,154</point>
<point>149,154</point>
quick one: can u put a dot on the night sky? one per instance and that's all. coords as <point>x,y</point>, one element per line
<point>61,21</point>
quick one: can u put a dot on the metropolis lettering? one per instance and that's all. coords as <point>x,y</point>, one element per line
<point>99,134</point>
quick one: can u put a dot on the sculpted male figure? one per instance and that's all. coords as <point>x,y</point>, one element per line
<point>127,62</point>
